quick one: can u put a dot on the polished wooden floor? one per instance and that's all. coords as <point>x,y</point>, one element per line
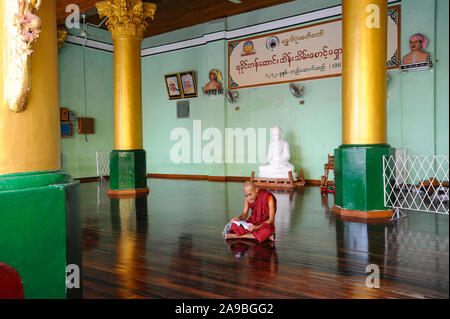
<point>169,245</point>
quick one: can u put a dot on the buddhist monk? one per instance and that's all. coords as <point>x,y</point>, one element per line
<point>417,42</point>
<point>263,205</point>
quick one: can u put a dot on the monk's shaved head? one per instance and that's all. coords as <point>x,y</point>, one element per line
<point>250,191</point>
<point>248,185</point>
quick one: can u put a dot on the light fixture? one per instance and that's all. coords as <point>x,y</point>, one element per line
<point>297,91</point>
<point>232,96</point>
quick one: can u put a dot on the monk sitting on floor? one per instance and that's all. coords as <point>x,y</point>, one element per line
<point>263,205</point>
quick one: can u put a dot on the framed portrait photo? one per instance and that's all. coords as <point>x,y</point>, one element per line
<point>188,84</point>
<point>173,86</point>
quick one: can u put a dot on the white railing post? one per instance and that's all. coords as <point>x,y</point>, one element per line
<point>102,165</point>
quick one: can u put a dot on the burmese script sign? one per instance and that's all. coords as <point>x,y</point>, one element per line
<point>305,53</point>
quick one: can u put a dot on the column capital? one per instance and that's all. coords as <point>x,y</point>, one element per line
<point>126,17</point>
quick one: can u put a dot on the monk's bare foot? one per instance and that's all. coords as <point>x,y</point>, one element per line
<point>230,236</point>
<point>271,238</point>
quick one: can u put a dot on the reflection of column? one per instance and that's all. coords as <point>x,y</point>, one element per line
<point>129,220</point>
<point>358,245</point>
<point>127,23</point>
<point>359,182</point>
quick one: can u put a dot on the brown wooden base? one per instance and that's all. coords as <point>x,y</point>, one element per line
<point>128,193</point>
<point>279,183</point>
<point>357,215</point>
<point>90,179</point>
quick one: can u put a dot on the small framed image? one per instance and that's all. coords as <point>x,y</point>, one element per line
<point>188,84</point>
<point>72,116</point>
<point>66,129</point>
<point>173,86</point>
<point>182,109</point>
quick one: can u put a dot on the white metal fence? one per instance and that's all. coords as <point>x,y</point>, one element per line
<point>102,164</point>
<point>416,182</point>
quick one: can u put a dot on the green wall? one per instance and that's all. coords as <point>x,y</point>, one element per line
<point>441,77</point>
<point>417,103</point>
<point>79,154</point>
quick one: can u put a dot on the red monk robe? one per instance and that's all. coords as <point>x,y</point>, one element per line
<point>259,214</point>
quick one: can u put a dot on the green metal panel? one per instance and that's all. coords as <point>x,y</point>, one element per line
<point>33,179</point>
<point>33,229</point>
<point>128,170</point>
<point>359,176</point>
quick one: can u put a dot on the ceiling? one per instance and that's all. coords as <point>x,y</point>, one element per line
<point>174,14</point>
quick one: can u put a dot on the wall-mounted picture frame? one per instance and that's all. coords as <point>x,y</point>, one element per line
<point>182,109</point>
<point>173,86</point>
<point>418,59</point>
<point>188,84</point>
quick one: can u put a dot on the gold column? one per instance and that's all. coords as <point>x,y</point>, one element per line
<point>364,33</point>
<point>127,23</point>
<point>30,139</point>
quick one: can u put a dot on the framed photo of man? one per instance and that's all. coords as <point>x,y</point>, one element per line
<point>188,84</point>
<point>173,86</point>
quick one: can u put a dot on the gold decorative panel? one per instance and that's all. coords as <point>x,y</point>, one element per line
<point>23,28</point>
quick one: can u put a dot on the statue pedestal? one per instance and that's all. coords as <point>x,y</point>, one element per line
<point>276,174</point>
<point>274,183</point>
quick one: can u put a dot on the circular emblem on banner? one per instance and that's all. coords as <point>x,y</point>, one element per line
<point>248,47</point>
<point>272,43</point>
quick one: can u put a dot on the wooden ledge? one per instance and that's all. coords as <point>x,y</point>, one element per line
<point>128,193</point>
<point>358,215</point>
<point>279,183</point>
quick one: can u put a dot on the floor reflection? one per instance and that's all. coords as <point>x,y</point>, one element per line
<point>358,245</point>
<point>285,207</point>
<point>129,220</point>
<point>400,251</point>
<point>177,251</point>
<point>90,234</point>
<point>102,198</point>
<point>183,263</point>
<point>410,251</point>
<point>261,258</point>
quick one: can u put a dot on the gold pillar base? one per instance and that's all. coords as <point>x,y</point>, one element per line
<point>128,193</point>
<point>362,216</point>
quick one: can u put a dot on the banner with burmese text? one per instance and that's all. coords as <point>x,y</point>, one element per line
<point>304,53</point>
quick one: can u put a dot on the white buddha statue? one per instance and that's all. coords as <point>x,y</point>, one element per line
<point>278,157</point>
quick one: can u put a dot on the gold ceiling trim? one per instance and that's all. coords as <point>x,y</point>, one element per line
<point>126,17</point>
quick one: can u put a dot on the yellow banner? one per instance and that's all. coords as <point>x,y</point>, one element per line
<point>305,53</point>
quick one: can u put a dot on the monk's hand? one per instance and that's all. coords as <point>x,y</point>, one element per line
<point>252,228</point>
<point>234,219</point>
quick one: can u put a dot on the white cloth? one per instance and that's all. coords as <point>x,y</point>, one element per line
<point>226,230</point>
